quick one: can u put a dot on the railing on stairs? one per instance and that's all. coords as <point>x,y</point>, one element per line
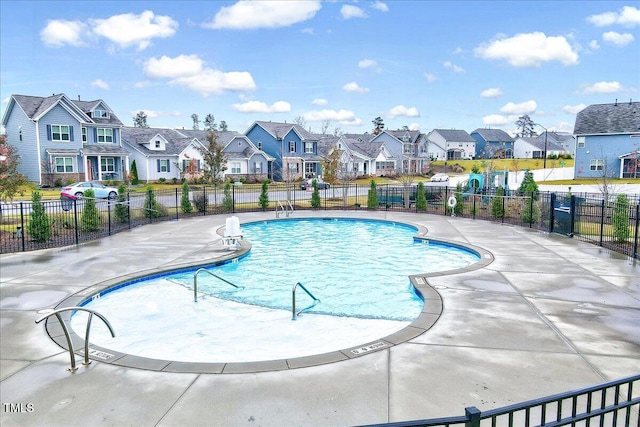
<point>295,314</point>
<point>195,282</point>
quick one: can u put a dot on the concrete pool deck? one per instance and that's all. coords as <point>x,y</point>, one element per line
<point>549,314</point>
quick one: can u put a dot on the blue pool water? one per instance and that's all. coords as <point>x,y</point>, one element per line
<point>358,269</point>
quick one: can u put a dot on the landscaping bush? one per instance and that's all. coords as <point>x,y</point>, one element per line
<point>90,218</point>
<point>620,219</point>
<point>154,208</point>
<point>263,201</point>
<point>227,201</point>
<point>185,204</point>
<point>39,227</point>
<point>372,196</point>
<point>421,199</point>
<point>122,208</point>
<point>497,206</point>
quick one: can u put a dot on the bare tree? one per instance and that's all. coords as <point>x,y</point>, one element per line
<point>140,120</point>
<point>325,126</point>
<point>196,121</point>
<point>300,120</point>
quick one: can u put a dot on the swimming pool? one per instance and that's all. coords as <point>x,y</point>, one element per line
<point>357,268</point>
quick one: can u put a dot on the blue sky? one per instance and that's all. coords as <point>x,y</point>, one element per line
<point>422,64</point>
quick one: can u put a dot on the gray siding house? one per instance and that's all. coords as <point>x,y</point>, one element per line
<point>608,141</point>
<point>63,140</point>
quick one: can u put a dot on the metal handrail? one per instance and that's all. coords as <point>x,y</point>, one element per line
<point>287,211</point>
<point>86,336</point>
<point>295,314</point>
<point>195,282</point>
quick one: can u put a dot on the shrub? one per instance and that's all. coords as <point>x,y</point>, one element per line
<point>372,196</point>
<point>315,196</point>
<point>122,208</point>
<point>185,204</point>
<point>134,174</point>
<point>475,168</point>
<point>154,209</point>
<point>263,201</point>
<point>162,180</point>
<point>497,205</point>
<point>620,219</point>
<point>421,199</point>
<point>40,225</point>
<point>459,208</point>
<point>201,202</point>
<point>530,211</point>
<point>528,186</point>
<point>90,219</point>
<point>227,201</point>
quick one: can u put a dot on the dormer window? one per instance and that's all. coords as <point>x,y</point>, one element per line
<point>100,114</point>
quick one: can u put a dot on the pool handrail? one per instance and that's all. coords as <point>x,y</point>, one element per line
<point>294,315</point>
<point>195,282</point>
<point>86,336</point>
<point>287,211</point>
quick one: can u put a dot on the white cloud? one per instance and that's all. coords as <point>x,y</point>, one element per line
<point>593,44</point>
<point>6,100</point>
<point>261,107</point>
<point>353,87</point>
<point>573,109</point>
<point>367,63</point>
<point>349,11</point>
<point>495,120</point>
<point>402,111</point>
<point>58,33</point>
<point>414,126</point>
<point>344,117</point>
<point>430,77</point>
<point>628,16</point>
<point>319,102</point>
<point>455,68</point>
<point>189,71</point>
<point>99,83</point>
<point>526,107</point>
<point>529,50</point>
<point>142,84</point>
<point>134,30</point>
<point>264,14</point>
<point>603,87</point>
<point>382,7</point>
<point>154,114</point>
<point>493,92</point>
<point>617,38</point>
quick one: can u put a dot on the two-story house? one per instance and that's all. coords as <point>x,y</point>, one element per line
<point>492,144</point>
<point>358,156</point>
<point>403,145</point>
<point>294,150</point>
<point>534,148</point>
<point>65,140</point>
<point>608,140</point>
<point>455,144</point>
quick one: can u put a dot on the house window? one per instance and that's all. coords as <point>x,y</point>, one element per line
<point>84,134</point>
<point>163,165</point>
<point>293,167</point>
<point>309,168</point>
<point>257,167</point>
<point>259,145</point>
<point>157,144</point>
<point>596,164</point>
<point>235,167</point>
<point>60,133</point>
<point>20,133</point>
<point>101,114</point>
<point>105,135</point>
<point>308,147</point>
<point>408,148</point>
<point>581,142</point>
<point>64,164</point>
<point>292,146</point>
<point>108,164</point>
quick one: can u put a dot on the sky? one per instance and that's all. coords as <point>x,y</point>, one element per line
<point>327,64</point>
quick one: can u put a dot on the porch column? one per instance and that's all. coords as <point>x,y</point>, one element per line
<point>99,167</point>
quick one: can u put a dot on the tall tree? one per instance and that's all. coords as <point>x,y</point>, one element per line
<point>378,125</point>
<point>210,123</point>
<point>140,120</point>
<point>10,178</point>
<point>300,120</point>
<point>325,126</point>
<point>214,158</point>
<point>196,121</point>
<point>525,127</point>
<point>223,126</point>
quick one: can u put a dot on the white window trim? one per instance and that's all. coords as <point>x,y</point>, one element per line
<point>104,136</point>
<point>292,146</point>
<point>61,133</point>
<point>235,167</point>
<point>105,166</point>
<point>64,164</point>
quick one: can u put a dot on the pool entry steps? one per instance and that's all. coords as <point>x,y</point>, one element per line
<point>295,314</point>
<point>281,209</point>
<point>195,281</point>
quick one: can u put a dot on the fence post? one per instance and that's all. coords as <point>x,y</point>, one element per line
<point>177,205</point>
<point>552,203</point>
<point>601,222</point>
<point>109,216</point>
<point>129,209</point>
<point>22,241</point>
<point>635,244</point>
<point>473,416</point>
<point>531,209</point>
<point>572,205</point>
<point>75,220</point>
<point>504,212</point>
<point>474,205</point>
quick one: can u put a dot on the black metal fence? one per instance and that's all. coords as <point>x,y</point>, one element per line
<point>612,404</point>
<point>612,223</point>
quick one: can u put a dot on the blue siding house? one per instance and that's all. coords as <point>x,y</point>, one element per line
<point>493,144</point>
<point>60,139</point>
<point>608,141</point>
<point>294,150</point>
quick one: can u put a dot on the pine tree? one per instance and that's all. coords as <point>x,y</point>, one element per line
<point>528,186</point>
<point>134,173</point>
<point>530,211</point>
<point>122,208</point>
<point>372,196</point>
<point>315,196</point>
<point>459,208</point>
<point>227,201</point>
<point>40,225</point>
<point>421,199</point>
<point>497,206</point>
<point>185,203</point>
<point>620,219</point>
<point>263,201</point>
<point>90,219</point>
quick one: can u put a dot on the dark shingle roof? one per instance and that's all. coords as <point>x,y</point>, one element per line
<point>455,135</point>
<point>538,142</point>
<point>176,142</point>
<point>493,135</point>
<point>279,130</point>
<point>33,106</point>
<point>598,119</point>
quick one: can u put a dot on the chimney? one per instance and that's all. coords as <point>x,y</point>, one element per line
<point>78,97</point>
<point>616,104</point>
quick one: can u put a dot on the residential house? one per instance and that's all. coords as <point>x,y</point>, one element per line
<point>403,145</point>
<point>60,139</point>
<point>564,139</point>
<point>457,144</point>
<point>358,156</point>
<point>244,161</point>
<point>608,140</point>
<point>492,144</point>
<point>294,150</point>
<point>163,154</point>
<point>534,148</point>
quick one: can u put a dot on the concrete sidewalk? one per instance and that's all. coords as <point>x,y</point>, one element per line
<point>550,314</point>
